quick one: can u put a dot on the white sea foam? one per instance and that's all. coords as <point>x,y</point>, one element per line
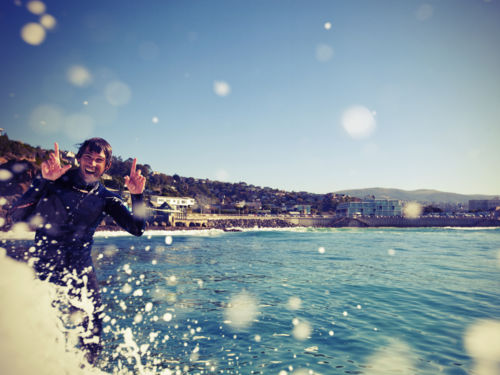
<point>20,234</point>
<point>164,233</point>
<point>472,228</point>
<point>32,340</point>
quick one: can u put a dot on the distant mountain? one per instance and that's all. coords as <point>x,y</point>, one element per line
<point>421,195</point>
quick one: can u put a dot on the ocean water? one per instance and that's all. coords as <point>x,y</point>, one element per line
<point>309,301</point>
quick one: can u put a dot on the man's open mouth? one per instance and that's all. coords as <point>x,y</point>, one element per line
<point>89,171</point>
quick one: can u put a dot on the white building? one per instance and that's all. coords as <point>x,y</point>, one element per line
<point>177,203</point>
<point>370,207</point>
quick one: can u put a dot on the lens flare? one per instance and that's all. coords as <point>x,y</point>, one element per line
<point>167,317</point>
<point>117,93</point>
<point>395,358</point>
<point>358,122</point>
<point>221,175</point>
<point>48,21</point>
<point>301,330</point>
<point>79,75</point>
<point>221,88</point>
<point>33,33</point>
<point>5,175</point>
<point>294,303</point>
<point>101,110</point>
<point>412,210</point>
<point>36,7</point>
<point>241,310</point>
<point>168,240</point>
<point>424,12</point>
<point>19,168</point>
<point>324,52</point>
<point>482,342</point>
<point>46,119</point>
<point>79,126</point>
<point>148,51</point>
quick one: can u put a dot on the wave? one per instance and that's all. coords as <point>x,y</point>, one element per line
<point>472,228</point>
<point>151,233</point>
<point>32,339</point>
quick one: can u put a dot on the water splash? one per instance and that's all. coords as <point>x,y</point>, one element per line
<point>33,341</point>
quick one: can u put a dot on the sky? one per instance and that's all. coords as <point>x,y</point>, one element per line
<point>301,95</point>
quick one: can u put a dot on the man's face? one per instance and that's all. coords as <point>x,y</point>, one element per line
<point>92,165</point>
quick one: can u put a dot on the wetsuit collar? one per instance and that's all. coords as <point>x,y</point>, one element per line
<point>79,183</point>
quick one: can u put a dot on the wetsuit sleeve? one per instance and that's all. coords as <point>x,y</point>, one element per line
<point>24,207</point>
<point>133,222</point>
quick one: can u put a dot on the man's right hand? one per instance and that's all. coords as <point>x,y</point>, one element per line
<point>51,169</point>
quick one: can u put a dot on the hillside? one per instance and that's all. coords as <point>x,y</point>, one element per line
<point>21,162</point>
<point>210,195</point>
<point>423,196</point>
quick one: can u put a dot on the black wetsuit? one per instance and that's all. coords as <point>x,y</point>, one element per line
<point>66,213</point>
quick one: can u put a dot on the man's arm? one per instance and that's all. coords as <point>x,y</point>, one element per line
<point>134,222</point>
<point>51,171</point>
<point>24,207</point>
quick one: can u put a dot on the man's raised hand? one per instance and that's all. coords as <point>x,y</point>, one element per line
<point>135,182</point>
<point>51,169</point>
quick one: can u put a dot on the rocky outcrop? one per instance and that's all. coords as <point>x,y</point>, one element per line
<point>248,223</point>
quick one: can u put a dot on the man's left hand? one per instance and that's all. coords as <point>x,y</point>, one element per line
<point>135,182</point>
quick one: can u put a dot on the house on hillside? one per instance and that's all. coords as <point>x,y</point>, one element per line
<point>176,203</point>
<point>483,204</point>
<point>304,209</point>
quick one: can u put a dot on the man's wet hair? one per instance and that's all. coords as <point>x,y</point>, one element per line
<point>96,145</point>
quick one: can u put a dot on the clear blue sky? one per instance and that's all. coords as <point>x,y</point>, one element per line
<point>300,95</point>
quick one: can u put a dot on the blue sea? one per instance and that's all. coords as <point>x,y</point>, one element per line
<point>308,301</point>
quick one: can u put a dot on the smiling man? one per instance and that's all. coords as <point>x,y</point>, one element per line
<point>66,206</point>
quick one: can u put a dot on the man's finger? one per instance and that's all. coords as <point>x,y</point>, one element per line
<point>56,150</point>
<point>132,170</point>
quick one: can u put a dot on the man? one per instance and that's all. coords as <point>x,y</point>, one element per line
<point>66,206</point>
